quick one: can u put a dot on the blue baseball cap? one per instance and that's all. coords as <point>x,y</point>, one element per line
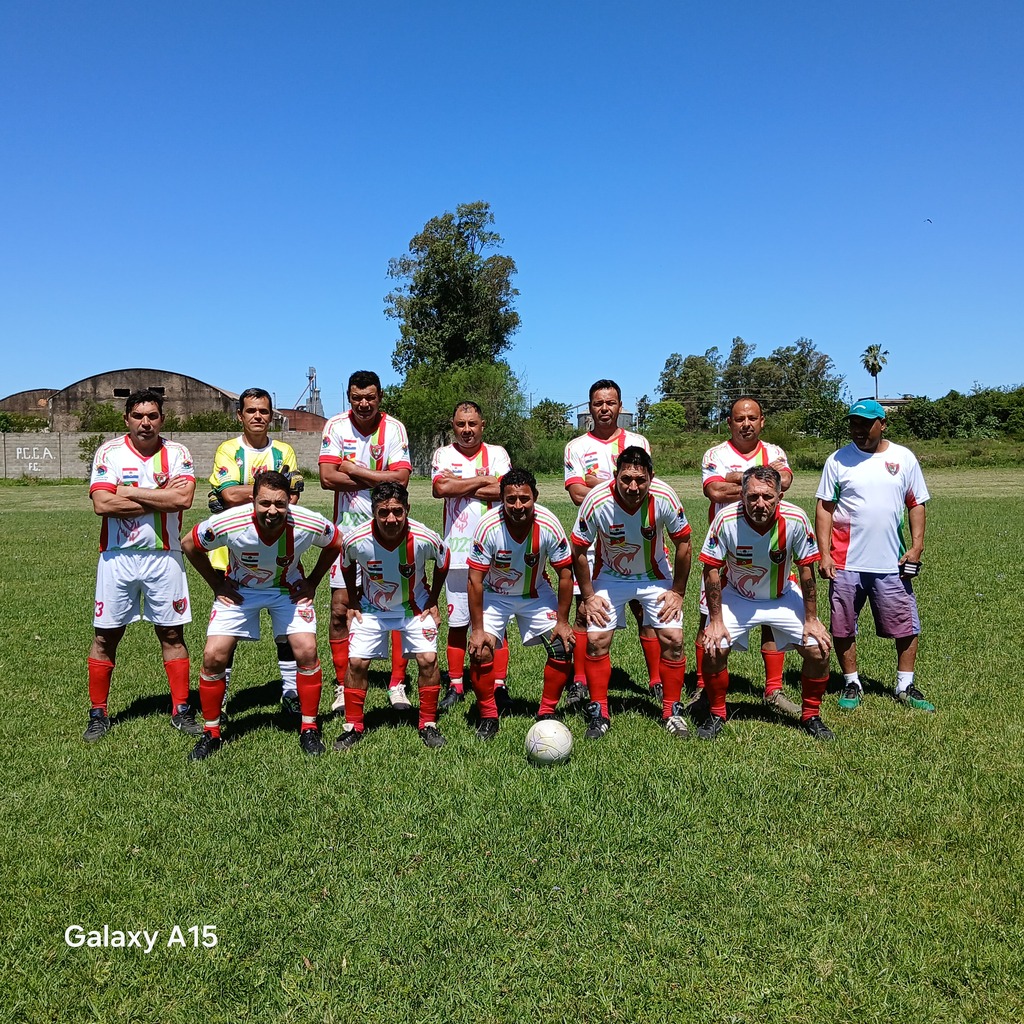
<point>867,409</point>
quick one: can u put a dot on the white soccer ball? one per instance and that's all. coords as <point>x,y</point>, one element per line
<point>548,742</point>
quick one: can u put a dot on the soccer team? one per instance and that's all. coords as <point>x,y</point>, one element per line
<point>501,555</point>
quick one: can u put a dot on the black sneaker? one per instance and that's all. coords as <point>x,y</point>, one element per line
<point>597,724</point>
<point>184,720</point>
<point>450,699</point>
<point>311,742</point>
<point>675,725</point>
<point>290,703</point>
<point>657,692</point>
<point>817,729</point>
<point>487,729</point>
<point>711,729</point>
<point>502,699</point>
<point>209,744</point>
<point>576,695</point>
<point>547,717</point>
<point>697,707</point>
<point>99,726</point>
<point>912,697</point>
<point>348,739</point>
<point>851,696</point>
<point>431,736</point>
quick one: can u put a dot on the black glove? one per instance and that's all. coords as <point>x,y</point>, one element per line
<point>216,505</point>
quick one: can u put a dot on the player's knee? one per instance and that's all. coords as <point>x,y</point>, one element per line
<point>557,651</point>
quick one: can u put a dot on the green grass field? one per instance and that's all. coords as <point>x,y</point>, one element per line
<point>760,878</point>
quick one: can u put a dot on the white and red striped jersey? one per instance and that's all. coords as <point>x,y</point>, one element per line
<point>724,459</point>
<point>589,455</point>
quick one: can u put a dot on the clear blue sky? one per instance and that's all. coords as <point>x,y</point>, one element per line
<point>216,188</point>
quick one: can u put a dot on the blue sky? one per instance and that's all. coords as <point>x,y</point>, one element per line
<point>216,188</point>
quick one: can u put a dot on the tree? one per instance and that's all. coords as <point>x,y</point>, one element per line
<point>643,413</point>
<point>103,416</point>
<point>693,382</point>
<point>551,418</point>
<point>454,305</point>
<point>873,359</point>
<point>735,377</point>
<point>666,419</point>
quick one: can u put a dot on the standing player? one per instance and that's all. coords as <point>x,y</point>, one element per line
<point>866,489</point>
<point>627,520</point>
<point>265,540</point>
<point>466,474</point>
<point>757,541</point>
<point>590,461</point>
<point>140,485</point>
<point>722,473</point>
<point>507,578</point>
<point>392,552</point>
<point>360,449</point>
<point>235,466</point>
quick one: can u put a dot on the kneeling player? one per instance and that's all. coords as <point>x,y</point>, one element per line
<point>265,541</point>
<point>506,578</point>
<point>757,540</point>
<point>392,551</point>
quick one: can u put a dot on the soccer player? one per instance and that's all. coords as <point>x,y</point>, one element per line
<point>235,466</point>
<point>589,462</point>
<point>361,448</point>
<point>757,541</point>
<point>626,519</point>
<point>506,578</point>
<point>866,489</point>
<point>265,540</point>
<point>466,475</point>
<point>140,485</point>
<point>392,552</point>
<point>722,473</point>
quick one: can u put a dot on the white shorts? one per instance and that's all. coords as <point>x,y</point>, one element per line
<point>785,615</point>
<point>590,562</point>
<point>618,593</point>
<point>369,639</point>
<point>123,577</point>
<point>456,588</point>
<point>243,620</point>
<point>535,616</point>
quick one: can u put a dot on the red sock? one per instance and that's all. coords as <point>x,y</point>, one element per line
<point>813,691</point>
<point>100,673</point>
<point>482,679</point>
<point>698,663</point>
<point>672,675</point>
<point>579,655</point>
<point>717,686</point>
<point>339,655</point>
<point>773,662</point>
<point>501,663</point>
<point>428,704</point>
<point>398,663</point>
<point>556,675</point>
<point>211,695</point>
<point>354,700</point>
<point>177,676</point>
<point>651,646</point>
<point>310,683</point>
<point>456,665</point>
<point>599,674</point>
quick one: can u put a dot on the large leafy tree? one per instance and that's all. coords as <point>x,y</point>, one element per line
<point>735,378</point>
<point>693,382</point>
<point>454,303</point>
<point>873,359</point>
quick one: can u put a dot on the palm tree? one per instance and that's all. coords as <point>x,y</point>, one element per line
<point>873,360</point>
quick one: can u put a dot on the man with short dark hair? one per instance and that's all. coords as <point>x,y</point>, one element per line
<point>867,491</point>
<point>140,485</point>
<point>361,448</point>
<point>507,579</point>
<point>627,519</point>
<point>265,540</point>
<point>391,552</point>
<point>753,545</point>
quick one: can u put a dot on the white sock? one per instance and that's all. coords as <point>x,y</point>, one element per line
<point>287,670</point>
<point>854,678</point>
<point>904,680</point>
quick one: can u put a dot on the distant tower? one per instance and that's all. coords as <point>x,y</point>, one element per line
<point>314,405</point>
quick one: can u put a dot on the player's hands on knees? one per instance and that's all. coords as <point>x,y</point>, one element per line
<point>431,612</point>
<point>596,610</point>
<point>353,615</point>
<point>301,591</point>
<point>481,647</point>
<point>671,606</point>
<point>815,632</point>
<point>227,592</point>
<point>716,638</point>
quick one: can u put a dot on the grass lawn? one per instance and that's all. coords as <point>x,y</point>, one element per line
<point>760,878</point>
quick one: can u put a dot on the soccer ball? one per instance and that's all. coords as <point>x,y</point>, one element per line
<point>548,742</point>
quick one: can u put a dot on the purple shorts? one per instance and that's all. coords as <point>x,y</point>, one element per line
<point>893,605</point>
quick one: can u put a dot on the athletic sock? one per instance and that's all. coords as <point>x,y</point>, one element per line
<point>813,691</point>
<point>501,664</point>
<point>100,673</point>
<point>773,664</point>
<point>904,680</point>
<point>310,683</point>
<point>716,686</point>
<point>651,646</point>
<point>428,704</point>
<point>398,663</point>
<point>354,701</point>
<point>599,674</point>
<point>286,666</point>
<point>852,679</point>
<point>698,663</point>
<point>579,657</point>
<point>177,678</point>
<point>481,677</point>
<point>456,666</point>
<point>672,676</point>
<point>211,693</point>
<point>556,675</point>
<point>339,656</point>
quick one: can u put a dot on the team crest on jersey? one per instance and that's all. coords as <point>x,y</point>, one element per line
<point>563,545</point>
<point>531,559</point>
<point>778,557</point>
<point>429,633</point>
<point>710,466</point>
<point>893,468</point>
<point>478,549</point>
<point>376,451</point>
<point>647,532</point>
<point>208,534</point>
<point>223,470</point>
<point>306,612</point>
<point>325,443</point>
<point>161,479</point>
<point>101,469</point>
<point>180,605</point>
<point>187,465</point>
<point>407,570</point>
